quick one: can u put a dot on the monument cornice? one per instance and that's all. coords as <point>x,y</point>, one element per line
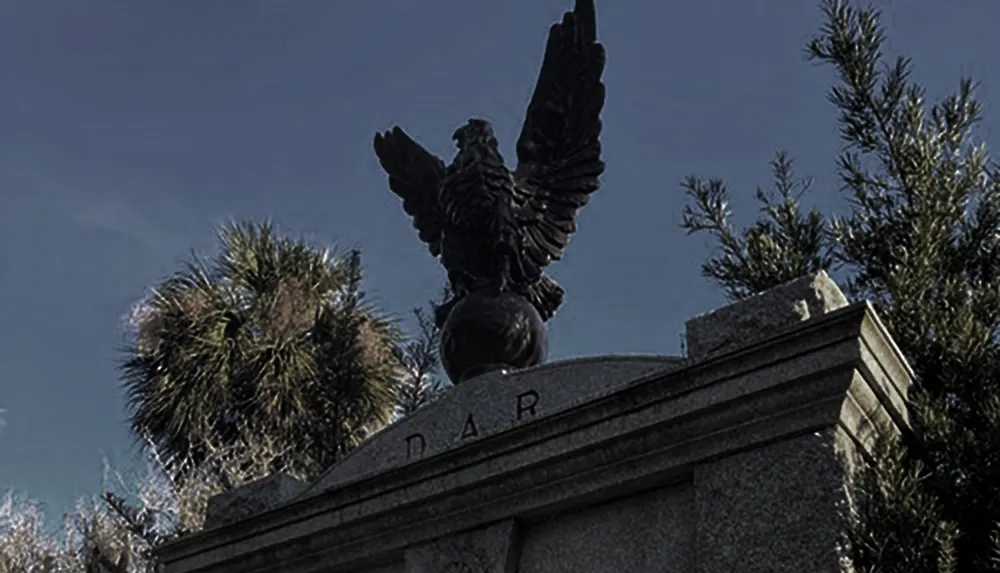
<point>831,371</point>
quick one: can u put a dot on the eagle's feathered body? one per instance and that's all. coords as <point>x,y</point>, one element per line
<point>497,228</point>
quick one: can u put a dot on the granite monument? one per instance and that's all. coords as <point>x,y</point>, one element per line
<point>733,458</point>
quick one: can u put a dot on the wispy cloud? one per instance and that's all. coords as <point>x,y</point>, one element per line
<point>120,207</point>
<point>142,231</point>
<point>127,222</point>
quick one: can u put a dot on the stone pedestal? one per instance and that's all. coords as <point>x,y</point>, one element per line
<point>731,459</point>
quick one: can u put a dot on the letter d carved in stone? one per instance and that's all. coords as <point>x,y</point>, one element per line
<point>415,445</point>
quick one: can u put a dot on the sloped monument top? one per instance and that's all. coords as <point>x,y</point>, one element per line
<point>488,405</point>
<point>494,402</point>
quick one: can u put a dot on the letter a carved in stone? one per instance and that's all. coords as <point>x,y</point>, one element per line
<point>469,430</point>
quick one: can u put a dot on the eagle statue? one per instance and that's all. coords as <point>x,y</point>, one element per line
<point>495,230</point>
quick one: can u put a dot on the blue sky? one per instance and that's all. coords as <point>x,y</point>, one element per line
<point>128,130</point>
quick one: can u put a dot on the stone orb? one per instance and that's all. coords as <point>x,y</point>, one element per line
<point>486,332</point>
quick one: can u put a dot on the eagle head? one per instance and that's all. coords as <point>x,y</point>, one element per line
<point>477,133</point>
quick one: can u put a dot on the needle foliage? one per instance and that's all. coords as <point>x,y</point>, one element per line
<point>921,240</point>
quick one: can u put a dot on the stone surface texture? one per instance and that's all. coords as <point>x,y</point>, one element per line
<point>251,499</point>
<point>733,459</point>
<point>492,549</point>
<point>787,514</point>
<point>652,531</point>
<point>762,315</point>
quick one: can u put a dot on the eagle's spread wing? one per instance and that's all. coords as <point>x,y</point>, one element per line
<point>559,151</point>
<point>415,175</point>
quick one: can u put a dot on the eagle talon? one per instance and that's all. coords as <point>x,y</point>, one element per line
<point>503,280</point>
<point>502,284</point>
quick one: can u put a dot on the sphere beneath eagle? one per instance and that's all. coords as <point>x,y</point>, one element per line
<point>486,332</point>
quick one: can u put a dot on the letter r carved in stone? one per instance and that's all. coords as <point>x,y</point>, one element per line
<point>526,402</point>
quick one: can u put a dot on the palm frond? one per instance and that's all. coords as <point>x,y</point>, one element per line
<point>272,334</point>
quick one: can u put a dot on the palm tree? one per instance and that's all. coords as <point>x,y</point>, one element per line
<point>271,337</point>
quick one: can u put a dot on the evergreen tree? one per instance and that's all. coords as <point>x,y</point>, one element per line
<point>922,242</point>
<point>421,363</point>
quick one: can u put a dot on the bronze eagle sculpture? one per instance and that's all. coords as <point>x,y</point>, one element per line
<point>496,229</point>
